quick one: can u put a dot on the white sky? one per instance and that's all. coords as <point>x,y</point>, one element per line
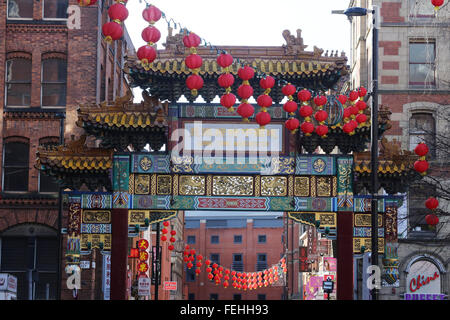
<point>249,22</point>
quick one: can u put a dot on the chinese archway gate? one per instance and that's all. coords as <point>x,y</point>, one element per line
<point>128,187</point>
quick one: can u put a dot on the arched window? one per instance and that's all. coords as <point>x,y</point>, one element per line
<point>18,82</point>
<point>15,165</point>
<point>422,128</point>
<point>54,82</point>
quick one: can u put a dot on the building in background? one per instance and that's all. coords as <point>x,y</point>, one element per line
<point>414,85</point>
<point>49,65</point>
<point>240,241</point>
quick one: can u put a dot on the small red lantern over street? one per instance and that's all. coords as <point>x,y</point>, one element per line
<point>112,31</point>
<point>431,203</point>
<point>194,82</point>
<point>146,54</point>
<point>421,166</point>
<point>245,110</point>
<point>292,125</point>
<point>437,4</point>
<point>118,12</point>
<point>307,128</point>
<point>431,219</point>
<point>421,150</point>
<point>85,3</point>
<point>151,14</point>
<point>262,118</point>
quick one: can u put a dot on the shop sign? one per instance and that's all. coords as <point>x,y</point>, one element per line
<point>8,282</point>
<point>144,286</point>
<point>423,278</point>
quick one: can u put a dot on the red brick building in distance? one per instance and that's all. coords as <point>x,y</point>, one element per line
<point>244,242</point>
<point>50,63</point>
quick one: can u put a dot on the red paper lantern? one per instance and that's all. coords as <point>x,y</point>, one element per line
<point>193,61</point>
<point>163,238</point>
<point>245,91</point>
<point>112,31</point>
<point>118,12</point>
<point>421,166</point>
<point>245,110</point>
<point>164,231</point>
<point>354,123</point>
<point>347,112</point>
<point>361,118</point>
<point>197,271</point>
<point>151,14</point>
<point>264,101</point>
<point>224,60</point>
<point>304,95</point>
<point>288,90</point>
<point>208,269</point>
<point>361,105</point>
<point>172,239</point>
<point>307,128</point>
<point>194,82</point>
<point>306,111</point>
<point>321,115</point>
<point>342,99</point>
<point>171,247</point>
<point>437,4</point>
<point>353,95</point>
<point>354,110</point>
<point>166,224</point>
<point>362,92</point>
<point>292,124</point>
<point>431,219</point>
<point>432,203</point>
<point>210,276</point>
<point>191,40</point>
<point>226,80</point>
<point>322,130</point>
<point>262,118</point>
<point>151,35</point>
<point>320,100</point>
<point>421,150</point>
<point>173,232</point>
<point>290,107</point>
<point>228,100</point>
<point>246,73</point>
<point>267,83</point>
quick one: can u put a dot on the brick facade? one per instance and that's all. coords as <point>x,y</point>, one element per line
<point>38,40</point>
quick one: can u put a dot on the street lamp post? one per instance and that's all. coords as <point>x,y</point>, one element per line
<point>353,12</point>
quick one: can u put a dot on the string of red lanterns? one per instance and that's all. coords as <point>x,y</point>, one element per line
<point>193,61</point>
<point>147,53</point>
<point>239,280</point>
<point>117,13</point>
<point>226,80</point>
<point>165,233</point>
<point>245,91</point>
<point>290,107</point>
<point>421,165</point>
<point>264,101</point>
<point>86,3</point>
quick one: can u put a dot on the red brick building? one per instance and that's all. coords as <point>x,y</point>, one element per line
<point>50,63</point>
<point>244,242</point>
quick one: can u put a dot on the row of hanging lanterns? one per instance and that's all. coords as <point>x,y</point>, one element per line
<point>117,13</point>
<point>264,101</point>
<point>165,232</point>
<point>151,35</point>
<point>226,80</point>
<point>225,276</point>
<point>432,219</point>
<point>193,61</point>
<point>245,91</point>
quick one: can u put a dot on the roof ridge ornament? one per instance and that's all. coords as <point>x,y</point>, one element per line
<point>294,44</point>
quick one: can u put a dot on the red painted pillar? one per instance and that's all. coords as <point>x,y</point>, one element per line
<point>345,255</point>
<point>119,254</point>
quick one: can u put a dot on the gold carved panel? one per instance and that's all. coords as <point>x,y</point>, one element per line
<point>192,185</point>
<point>233,185</point>
<point>142,183</point>
<point>164,184</point>
<point>96,216</point>
<point>137,216</point>
<point>365,220</point>
<point>301,186</point>
<point>323,186</point>
<point>95,240</point>
<point>273,186</point>
<point>327,219</point>
<point>367,243</point>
